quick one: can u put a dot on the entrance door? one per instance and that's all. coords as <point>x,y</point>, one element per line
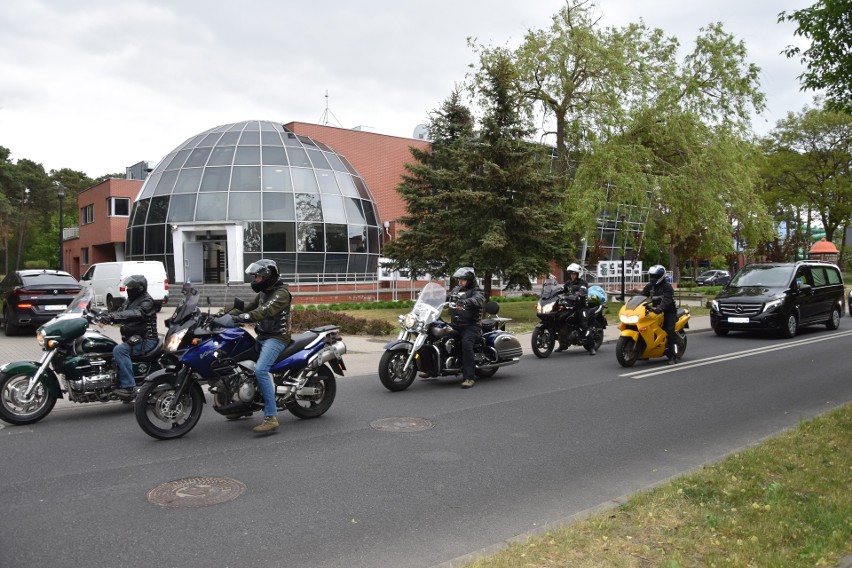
<point>215,265</point>
<point>193,262</point>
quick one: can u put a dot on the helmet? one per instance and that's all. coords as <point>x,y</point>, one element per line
<point>136,285</point>
<point>657,273</point>
<point>467,273</point>
<point>268,271</point>
<point>574,267</point>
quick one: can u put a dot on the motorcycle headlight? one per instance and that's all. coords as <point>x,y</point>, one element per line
<point>409,320</point>
<point>545,309</point>
<point>40,337</point>
<point>772,304</point>
<point>173,341</point>
<point>630,320</point>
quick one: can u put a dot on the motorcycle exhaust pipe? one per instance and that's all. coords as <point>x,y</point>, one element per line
<point>330,353</point>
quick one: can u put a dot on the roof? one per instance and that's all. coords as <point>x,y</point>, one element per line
<point>823,246</point>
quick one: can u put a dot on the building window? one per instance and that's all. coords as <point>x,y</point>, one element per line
<point>87,215</point>
<point>84,256</point>
<point>118,206</point>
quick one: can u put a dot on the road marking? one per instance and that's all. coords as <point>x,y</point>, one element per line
<point>731,356</point>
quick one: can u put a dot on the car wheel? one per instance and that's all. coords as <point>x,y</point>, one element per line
<point>833,321</point>
<point>10,328</point>
<point>720,332</point>
<point>788,329</point>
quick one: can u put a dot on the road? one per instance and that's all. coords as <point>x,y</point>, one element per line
<point>539,442</point>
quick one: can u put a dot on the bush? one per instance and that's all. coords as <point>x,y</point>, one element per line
<point>303,320</point>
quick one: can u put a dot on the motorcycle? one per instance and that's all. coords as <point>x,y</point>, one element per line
<point>431,347</point>
<point>557,311</point>
<point>170,401</point>
<point>77,361</point>
<point>642,335</point>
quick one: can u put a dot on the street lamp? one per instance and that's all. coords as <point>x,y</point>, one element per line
<point>60,191</point>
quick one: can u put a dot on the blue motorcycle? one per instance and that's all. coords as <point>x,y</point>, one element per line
<point>170,401</point>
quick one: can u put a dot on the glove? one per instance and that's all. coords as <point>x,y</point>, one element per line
<point>224,321</point>
<point>655,310</point>
<point>244,318</point>
<point>104,318</point>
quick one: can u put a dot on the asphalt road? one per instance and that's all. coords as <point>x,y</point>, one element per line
<point>539,442</point>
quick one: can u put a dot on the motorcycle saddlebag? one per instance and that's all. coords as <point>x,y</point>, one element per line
<point>507,345</point>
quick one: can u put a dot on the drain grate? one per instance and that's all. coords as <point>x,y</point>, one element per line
<point>195,492</point>
<point>402,424</point>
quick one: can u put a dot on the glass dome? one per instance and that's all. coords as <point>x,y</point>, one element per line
<point>240,192</point>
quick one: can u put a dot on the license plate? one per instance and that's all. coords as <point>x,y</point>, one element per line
<point>56,307</point>
<point>738,320</point>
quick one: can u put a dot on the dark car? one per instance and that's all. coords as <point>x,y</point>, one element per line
<point>781,297</point>
<point>713,278</point>
<point>29,298</point>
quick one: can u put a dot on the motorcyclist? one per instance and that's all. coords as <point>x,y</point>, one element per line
<point>579,287</point>
<point>467,300</point>
<point>270,310</point>
<point>659,287</point>
<point>138,319</point>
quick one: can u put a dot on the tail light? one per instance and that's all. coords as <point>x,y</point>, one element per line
<point>122,288</point>
<point>166,283</point>
<point>24,306</point>
<point>71,292</point>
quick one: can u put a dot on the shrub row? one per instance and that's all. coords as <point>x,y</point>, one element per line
<point>303,320</point>
<point>389,305</point>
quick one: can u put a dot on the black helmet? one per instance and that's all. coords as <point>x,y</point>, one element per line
<point>135,285</point>
<point>268,271</point>
<point>465,272</point>
<point>657,273</point>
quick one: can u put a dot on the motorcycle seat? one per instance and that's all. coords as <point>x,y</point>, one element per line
<point>297,343</point>
<point>152,354</point>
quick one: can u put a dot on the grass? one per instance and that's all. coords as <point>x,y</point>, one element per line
<point>522,314</point>
<point>785,502</point>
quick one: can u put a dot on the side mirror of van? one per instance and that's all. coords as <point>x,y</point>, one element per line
<point>805,288</point>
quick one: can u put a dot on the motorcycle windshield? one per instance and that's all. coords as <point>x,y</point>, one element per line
<point>550,288</point>
<point>80,303</point>
<point>188,305</point>
<point>430,302</point>
<point>635,302</point>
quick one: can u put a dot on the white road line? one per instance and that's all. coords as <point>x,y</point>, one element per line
<point>731,356</point>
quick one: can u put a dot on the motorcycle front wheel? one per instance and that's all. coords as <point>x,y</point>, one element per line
<point>543,341</point>
<point>391,373</point>
<point>311,406</point>
<point>626,352</point>
<point>156,418</point>
<point>14,408</point>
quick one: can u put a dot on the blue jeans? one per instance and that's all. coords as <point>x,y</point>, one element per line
<point>122,354</point>
<point>270,349</point>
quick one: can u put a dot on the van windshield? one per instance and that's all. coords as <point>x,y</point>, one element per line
<point>765,276</point>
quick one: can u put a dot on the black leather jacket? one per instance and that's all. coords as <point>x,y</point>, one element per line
<point>472,299</point>
<point>137,317</point>
<point>665,291</point>
<point>569,284</point>
<point>271,310</point>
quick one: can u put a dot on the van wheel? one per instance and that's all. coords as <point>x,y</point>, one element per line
<point>834,321</point>
<point>788,330</point>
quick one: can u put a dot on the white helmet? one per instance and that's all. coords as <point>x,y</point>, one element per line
<point>656,273</point>
<point>574,267</point>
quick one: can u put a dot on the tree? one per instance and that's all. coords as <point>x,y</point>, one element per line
<point>828,25</point>
<point>810,159</point>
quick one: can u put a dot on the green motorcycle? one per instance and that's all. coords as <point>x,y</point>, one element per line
<point>77,361</point>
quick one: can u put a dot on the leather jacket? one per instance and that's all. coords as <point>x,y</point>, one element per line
<point>271,310</point>
<point>471,299</point>
<point>665,291</point>
<point>137,317</point>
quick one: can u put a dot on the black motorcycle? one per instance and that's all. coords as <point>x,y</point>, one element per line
<point>77,361</point>
<point>558,312</point>
<point>431,347</point>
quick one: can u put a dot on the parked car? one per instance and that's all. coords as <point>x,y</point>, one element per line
<point>106,279</point>
<point>713,278</point>
<point>850,302</point>
<point>29,298</point>
<point>781,297</point>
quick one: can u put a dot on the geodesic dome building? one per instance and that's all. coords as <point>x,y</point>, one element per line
<point>250,190</point>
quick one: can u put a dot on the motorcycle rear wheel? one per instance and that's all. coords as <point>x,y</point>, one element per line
<point>15,410</point>
<point>154,417</point>
<point>625,351</point>
<point>543,341</point>
<point>314,405</point>
<point>599,337</point>
<point>391,373</point>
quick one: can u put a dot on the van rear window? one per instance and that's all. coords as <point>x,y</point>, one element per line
<point>833,276</point>
<point>818,273</point>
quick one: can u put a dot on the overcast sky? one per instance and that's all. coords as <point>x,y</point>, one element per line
<point>98,85</point>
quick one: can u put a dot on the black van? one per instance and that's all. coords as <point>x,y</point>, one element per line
<point>780,296</point>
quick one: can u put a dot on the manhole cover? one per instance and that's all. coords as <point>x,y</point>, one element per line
<point>401,424</point>
<point>195,492</point>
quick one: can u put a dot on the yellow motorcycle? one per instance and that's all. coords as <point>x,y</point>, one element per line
<point>642,335</point>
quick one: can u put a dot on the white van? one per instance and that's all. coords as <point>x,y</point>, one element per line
<point>106,278</point>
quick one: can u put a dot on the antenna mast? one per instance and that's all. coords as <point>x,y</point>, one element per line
<point>327,113</point>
